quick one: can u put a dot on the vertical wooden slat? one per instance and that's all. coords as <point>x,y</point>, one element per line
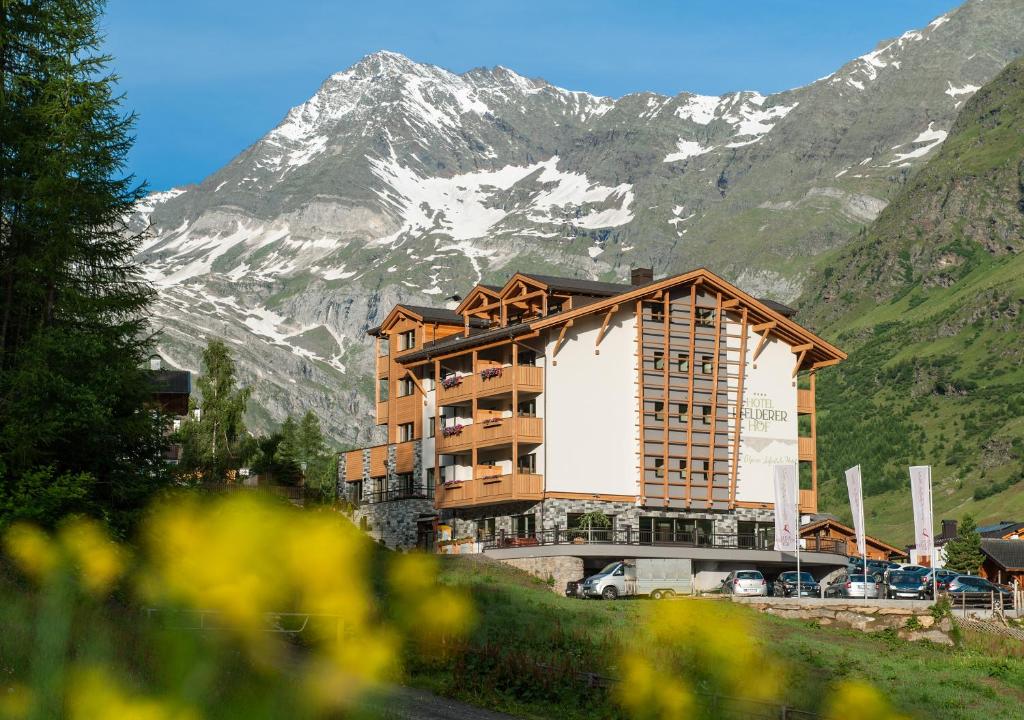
<point>473,406</point>
<point>515,410</point>
<point>438,433</point>
<point>665,365</point>
<point>689,397</point>
<point>641,445</point>
<point>739,410</point>
<point>814,439</point>
<point>710,478</point>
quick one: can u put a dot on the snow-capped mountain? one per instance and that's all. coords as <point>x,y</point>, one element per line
<point>399,181</point>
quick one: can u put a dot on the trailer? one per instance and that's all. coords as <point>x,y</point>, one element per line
<point>656,577</point>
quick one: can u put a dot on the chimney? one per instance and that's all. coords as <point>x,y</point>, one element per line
<point>641,276</point>
<point>948,528</point>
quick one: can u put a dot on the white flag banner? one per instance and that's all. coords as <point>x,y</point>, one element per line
<point>853,488</point>
<point>921,495</point>
<point>787,521</point>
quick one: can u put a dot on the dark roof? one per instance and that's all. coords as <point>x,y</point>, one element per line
<point>784,310</point>
<point>435,315</point>
<point>1008,554</point>
<point>458,342</point>
<point>1000,528</point>
<point>577,285</point>
<point>170,382</point>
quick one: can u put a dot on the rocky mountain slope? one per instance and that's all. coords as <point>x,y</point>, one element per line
<point>930,304</point>
<point>399,181</point>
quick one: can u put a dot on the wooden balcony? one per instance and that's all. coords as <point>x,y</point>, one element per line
<point>804,402</point>
<point>805,448</point>
<point>382,413</point>
<point>490,489</point>
<point>493,431</point>
<point>808,501</point>
<point>527,378</point>
<point>383,365</point>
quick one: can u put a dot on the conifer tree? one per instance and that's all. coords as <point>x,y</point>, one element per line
<point>963,553</point>
<point>214,438</point>
<point>75,434</point>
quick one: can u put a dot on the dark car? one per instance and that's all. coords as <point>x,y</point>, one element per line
<point>942,578</point>
<point>912,585</point>
<point>574,588</point>
<point>876,568</point>
<point>968,588</point>
<point>785,585</point>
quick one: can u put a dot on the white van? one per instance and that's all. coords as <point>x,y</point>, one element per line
<point>656,577</point>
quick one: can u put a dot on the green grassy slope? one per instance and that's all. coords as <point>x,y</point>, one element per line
<point>929,302</point>
<point>527,639</point>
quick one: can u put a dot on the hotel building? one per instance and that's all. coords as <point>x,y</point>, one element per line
<point>662,404</point>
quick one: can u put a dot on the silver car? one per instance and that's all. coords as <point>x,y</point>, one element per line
<point>745,582</point>
<point>848,585</point>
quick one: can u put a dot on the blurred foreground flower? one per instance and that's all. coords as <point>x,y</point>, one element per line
<point>432,614</point>
<point>94,694</point>
<point>81,542</point>
<point>32,550</point>
<point>691,647</point>
<point>857,700</point>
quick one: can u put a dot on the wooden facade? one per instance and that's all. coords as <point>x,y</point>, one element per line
<point>692,349</point>
<point>830,531</point>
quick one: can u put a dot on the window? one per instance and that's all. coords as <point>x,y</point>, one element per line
<point>406,387</point>
<point>405,485</point>
<point>405,432</point>
<point>355,492</point>
<point>527,357</point>
<point>700,467</point>
<point>659,410</point>
<point>659,360</point>
<point>407,340</point>
<point>705,317</point>
<point>380,486</point>
<point>683,362</point>
<point>657,313</point>
<point>524,525</point>
<point>705,412</point>
<point>527,464</point>
<point>430,480</point>
<point>431,426</point>
<point>554,308</point>
<point>683,410</point>
<point>382,347</point>
<point>707,365</point>
<point>682,469</point>
<point>528,408</point>
<point>382,390</point>
<point>485,528</point>
<point>659,468</point>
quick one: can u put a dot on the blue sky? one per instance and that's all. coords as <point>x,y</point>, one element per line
<point>209,77</point>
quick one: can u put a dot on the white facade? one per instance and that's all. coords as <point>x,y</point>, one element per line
<point>768,417</point>
<point>590,400</point>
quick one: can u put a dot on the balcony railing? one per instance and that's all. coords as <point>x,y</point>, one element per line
<point>528,378</point>
<point>492,431</point>
<point>414,492</point>
<point>630,536</point>
<point>804,401</point>
<point>808,501</point>
<point>490,489</point>
<point>805,448</point>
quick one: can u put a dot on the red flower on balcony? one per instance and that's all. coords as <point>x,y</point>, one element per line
<point>453,430</point>
<point>492,372</point>
<point>450,381</point>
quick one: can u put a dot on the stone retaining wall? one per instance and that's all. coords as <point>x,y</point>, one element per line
<point>866,617</point>
<point>562,568</point>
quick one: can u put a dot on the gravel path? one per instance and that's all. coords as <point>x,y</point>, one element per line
<point>409,704</point>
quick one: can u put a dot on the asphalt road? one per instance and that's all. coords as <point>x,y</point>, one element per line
<point>408,704</point>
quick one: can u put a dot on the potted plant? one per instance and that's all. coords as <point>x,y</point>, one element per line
<point>587,523</point>
<point>491,372</point>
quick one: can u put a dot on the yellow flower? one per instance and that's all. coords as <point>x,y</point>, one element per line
<point>33,550</point>
<point>99,559</point>
<point>15,702</point>
<point>93,694</point>
<point>648,693</point>
<point>428,610</point>
<point>857,700</point>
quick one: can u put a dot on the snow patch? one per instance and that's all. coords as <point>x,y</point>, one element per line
<point>687,149</point>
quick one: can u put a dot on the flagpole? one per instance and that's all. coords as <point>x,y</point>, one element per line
<point>798,576</point>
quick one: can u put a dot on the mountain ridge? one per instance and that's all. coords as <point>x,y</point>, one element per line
<point>384,189</point>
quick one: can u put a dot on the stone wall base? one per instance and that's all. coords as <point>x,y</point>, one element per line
<point>911,623</point>
<point>562,569</point>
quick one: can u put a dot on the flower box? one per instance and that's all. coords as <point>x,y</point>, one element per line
<point>453,430</point>
<point>450,381</point>
<point>491,372</point>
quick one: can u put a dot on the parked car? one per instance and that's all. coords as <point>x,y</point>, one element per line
<point>942,578</point>
<point>851,585</point>
<point>906,584</point>
<point>876,568</point>
<point>967,588</point>
<point>786,585</point>
<point>908,568</point>
<point>574,588</point>
<point>745,582</point>
<point>607,584</point>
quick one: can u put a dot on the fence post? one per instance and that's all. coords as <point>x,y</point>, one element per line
<point>629,534</point>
